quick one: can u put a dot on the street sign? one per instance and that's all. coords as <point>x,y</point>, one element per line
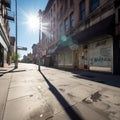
<point>21,48</point>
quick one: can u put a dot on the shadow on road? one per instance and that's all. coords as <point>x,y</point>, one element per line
<point>68,109</point>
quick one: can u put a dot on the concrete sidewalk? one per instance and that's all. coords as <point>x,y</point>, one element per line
<point>6,68</point>
<point>5,78</point>
<point>100,77</point>
<point>26,95</point>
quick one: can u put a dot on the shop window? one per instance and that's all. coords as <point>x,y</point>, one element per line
<point>93,5</point>
<point>72,20</point>
<point>82,9</point>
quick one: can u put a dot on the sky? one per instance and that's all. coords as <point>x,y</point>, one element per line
<point>27,35</point>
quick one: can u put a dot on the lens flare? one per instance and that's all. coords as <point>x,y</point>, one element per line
<point>33,22</point>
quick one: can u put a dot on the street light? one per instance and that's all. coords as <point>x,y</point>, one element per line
<point>16,57</point>
<point>40,35</point>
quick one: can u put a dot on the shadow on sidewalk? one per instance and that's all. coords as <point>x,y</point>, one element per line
<point>68,109</point>
<point>11,71</point>
<point>95,76</point>
<point>104,78</point>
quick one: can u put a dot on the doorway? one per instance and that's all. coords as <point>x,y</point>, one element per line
<point>75,59</point>
<point>1,56</point>
<point>85,57</point>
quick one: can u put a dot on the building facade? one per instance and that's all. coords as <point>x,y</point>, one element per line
<point>83,34</point>
<point>5,46</point>
<point>49,40</point>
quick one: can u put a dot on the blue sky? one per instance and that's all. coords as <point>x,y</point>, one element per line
<point>26,36</point>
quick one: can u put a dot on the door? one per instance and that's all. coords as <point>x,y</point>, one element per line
<point>1,56</point>
<point>75,59</point>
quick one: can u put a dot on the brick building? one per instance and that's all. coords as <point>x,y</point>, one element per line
<point>49,39</point>
<point>83,34</point>
<point>5,44</point>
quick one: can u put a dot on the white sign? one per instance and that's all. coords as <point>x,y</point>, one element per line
<point>100,53</point>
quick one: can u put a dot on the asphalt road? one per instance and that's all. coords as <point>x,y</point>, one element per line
<point>53,94</point>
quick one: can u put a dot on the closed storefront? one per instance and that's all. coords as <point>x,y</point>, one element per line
<point>68,58</point>
<point>81,57</point>
<point>101,55</point>
<point>65,58</point>
<point>61,59</point>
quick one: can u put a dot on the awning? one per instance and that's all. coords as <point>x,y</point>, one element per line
<point>52,51</point>
<point>106,26</point>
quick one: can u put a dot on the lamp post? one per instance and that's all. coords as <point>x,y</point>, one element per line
<point>40,35</point>
<point>16,57</point>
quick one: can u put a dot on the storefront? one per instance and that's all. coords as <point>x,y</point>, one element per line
<point>96,46</point>
<point>64,58</point>
<point>100,55</point>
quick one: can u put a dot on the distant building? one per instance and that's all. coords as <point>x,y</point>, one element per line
<point>82,34</point>
<point>27,58</point>
<point>5,47</point>
<point>49,39</point>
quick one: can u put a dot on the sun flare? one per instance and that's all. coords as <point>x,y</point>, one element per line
<point>33,22</point>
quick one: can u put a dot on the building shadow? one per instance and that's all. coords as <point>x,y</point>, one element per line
<point>68,109</point>
<point>95,76</point>
<point>104,78</point>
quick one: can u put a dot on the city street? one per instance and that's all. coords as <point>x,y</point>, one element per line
<point>54,94</point>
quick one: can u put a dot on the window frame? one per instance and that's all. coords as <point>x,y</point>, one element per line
<point>72,20</point>
<point>82,9</point>
<point>94,4</point>
<point>66,25</point>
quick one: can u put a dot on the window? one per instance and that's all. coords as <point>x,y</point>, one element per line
<point>71,2</point>
<point>93,5</point>
<point>66,4</point>
<point>82,9</point>
<point>61,12</point>
<point>72,20</point>
<point>54,8</point>
<point>54,22</point>
<point>66,25</point>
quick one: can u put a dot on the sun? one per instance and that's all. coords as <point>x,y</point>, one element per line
<point>33,22</point>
